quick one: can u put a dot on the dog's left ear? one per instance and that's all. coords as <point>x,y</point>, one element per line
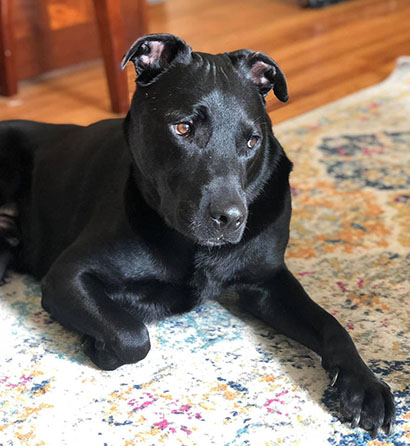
<point>154,54</point>
<point>263,71</point>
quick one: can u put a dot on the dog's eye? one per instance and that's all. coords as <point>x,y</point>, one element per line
<point>252,141</point>
<point>183,128</point>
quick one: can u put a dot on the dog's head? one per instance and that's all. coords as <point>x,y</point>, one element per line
<point>200,135</point>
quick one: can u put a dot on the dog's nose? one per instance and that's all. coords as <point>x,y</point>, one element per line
<point>228,218</point>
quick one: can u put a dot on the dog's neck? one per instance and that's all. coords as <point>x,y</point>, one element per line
<point>145,188</point>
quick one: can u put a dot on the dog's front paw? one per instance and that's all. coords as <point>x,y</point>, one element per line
<point>99,355</point>
<point>365,400</point>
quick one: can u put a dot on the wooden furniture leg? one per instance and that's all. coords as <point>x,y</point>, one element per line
<point>8,71</point>
<point>111,30</point>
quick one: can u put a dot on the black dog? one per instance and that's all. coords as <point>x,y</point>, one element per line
<point>130,221</point>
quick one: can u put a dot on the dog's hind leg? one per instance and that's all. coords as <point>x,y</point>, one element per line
<point>10,185</point>
<point>15,175</point>
<point>8,224</point>
<point>9,235</point>
<point>4,261</point>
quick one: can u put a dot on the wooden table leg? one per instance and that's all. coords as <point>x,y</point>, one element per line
<point>111,30</point>
<point>8,71</point>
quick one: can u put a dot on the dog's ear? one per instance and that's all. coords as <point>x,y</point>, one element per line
<point>263,71</point>
<point>154,54</point>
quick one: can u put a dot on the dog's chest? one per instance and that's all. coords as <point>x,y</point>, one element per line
<point>214,269</point>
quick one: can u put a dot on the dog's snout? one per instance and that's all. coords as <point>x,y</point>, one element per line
<point>228,218</point>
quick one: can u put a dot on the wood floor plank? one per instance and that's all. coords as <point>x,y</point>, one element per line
<point>326,53</point>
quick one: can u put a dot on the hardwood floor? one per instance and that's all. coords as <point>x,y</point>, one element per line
<point>325,53</point>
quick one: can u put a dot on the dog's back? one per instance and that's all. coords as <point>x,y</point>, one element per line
<point>38,168</point>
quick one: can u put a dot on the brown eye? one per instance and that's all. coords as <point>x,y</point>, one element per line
<point>253,141</point>
<point>183,128</point>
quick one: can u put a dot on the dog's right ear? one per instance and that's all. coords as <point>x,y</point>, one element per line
<point>154,54</point>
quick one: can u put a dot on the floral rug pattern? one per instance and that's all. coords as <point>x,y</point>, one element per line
<point>217,376</point>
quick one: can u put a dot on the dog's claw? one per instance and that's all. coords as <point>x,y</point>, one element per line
<point>388,428</point>
<point>355,421</point>
<point>374,432</point>
<point>333,376</point>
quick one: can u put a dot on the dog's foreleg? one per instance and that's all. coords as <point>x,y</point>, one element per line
<point>111,317</point>
<point>283,303</point>
<point>78,300</point>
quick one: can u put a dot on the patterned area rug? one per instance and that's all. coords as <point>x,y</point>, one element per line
<point>216,376</point>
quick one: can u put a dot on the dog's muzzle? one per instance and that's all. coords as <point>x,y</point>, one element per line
<point>226,222</point>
